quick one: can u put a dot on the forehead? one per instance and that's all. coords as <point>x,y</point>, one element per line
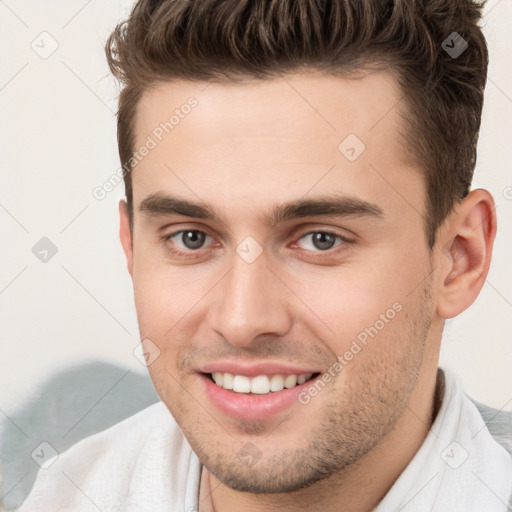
<point>329,105</point>
<point>276,139</point>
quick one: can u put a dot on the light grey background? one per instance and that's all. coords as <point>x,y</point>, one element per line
<point>58,142</point>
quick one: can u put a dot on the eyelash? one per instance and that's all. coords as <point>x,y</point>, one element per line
<point>189,254</point>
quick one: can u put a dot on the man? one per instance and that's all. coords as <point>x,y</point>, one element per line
<point>298,226</point>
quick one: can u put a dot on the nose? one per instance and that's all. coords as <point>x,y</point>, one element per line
<point>250,301</point>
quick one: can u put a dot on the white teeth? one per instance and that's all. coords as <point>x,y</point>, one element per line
<point>276,383</point>
<point>260,385</point>
<point>241,384</point>
<point>290,381</point>
<point>227,381</point>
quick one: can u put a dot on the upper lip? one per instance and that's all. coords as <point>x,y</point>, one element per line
<point>255,369</point>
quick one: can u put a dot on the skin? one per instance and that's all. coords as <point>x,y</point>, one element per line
<point>245,148</point>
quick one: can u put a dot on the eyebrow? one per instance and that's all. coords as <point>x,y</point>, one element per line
<point>159,204</point>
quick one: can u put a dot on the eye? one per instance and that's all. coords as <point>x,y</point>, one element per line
<point>321,240</point>
<point>190,239</point>
<point>187,243</point>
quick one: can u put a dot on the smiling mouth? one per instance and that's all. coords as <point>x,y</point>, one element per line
<point>261,384</point>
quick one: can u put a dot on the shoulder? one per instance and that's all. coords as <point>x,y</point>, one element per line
<point>498,422</point>
<point>128,437</point>
<point>126,467</point>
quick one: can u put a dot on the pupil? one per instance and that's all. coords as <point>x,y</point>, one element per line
<point>323,240</point>
<point>193,239</point>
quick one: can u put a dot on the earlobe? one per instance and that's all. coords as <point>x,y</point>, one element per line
<point>125,235</point>
<point>467,237</point>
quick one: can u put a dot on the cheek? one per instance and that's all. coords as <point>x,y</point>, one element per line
<point>338,295</point>
<point>164,294</point>
<point>359,302</point>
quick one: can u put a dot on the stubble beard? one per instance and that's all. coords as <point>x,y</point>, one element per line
<point>349,426</point>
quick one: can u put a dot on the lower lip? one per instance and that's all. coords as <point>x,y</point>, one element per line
<point>252,407</point>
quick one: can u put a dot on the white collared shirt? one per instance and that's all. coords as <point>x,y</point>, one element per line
<point>459,466</point>
<point>145,464</point>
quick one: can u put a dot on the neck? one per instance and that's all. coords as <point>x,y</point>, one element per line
<point>359,487</point>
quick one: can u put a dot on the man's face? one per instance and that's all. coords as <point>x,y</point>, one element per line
<point>261,290</point>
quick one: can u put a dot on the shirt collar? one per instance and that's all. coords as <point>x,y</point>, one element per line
<point>459,466</point>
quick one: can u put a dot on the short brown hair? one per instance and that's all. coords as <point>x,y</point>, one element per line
<point>228,40</point>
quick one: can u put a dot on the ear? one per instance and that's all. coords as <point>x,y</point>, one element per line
<point>466,241</point>
<point>125,235</point>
